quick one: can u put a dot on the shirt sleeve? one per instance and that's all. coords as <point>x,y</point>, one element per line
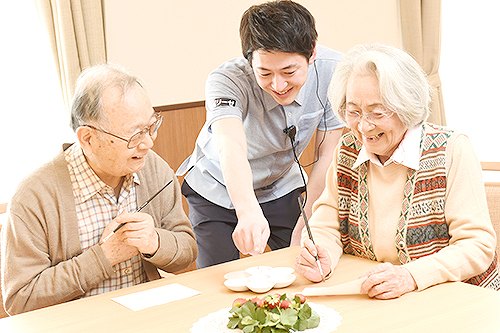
<point>177,245</point>
<point>224,97</point>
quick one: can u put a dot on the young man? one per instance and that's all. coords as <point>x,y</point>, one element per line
<point>55,247</point>
<point>262,110</point>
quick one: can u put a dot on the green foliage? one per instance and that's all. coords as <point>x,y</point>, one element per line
<point>272,314</point>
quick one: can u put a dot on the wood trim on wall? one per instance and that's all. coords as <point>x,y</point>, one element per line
<point>177,135</point>
<point>491,166</point>
<point>3,208</point>
<point>181,106</point>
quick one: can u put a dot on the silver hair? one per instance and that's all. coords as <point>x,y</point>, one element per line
<point>403,85</point>
<point>86,106</point>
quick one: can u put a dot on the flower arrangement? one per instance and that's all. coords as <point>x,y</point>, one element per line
<point>272,314</point>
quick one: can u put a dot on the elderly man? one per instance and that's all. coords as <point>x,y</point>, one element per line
<point>55,246</point>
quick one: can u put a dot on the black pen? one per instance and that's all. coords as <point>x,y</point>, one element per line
<point>137,210</point>
<point>306,222</point>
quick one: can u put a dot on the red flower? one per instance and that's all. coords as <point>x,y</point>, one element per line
<point>285,304</point>
<point>239,302</point>
<point>259,302</point>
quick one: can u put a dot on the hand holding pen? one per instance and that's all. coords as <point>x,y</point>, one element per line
<point>306,222</point>
<point>137,210</point>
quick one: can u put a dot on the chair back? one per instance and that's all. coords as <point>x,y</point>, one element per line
<point>491,172</point>
<point>493,197</point>
<point>2,310</point>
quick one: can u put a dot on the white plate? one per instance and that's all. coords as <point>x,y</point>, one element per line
<point>260,283</point>
<point>285,270</point>
<point>259,270</point>
<point>260,279</point>
<point>237,284</point>
<point>282,281</point>
<point>236,275</point>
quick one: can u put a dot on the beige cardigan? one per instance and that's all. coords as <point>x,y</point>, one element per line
<point>42,260</point>
<point>472,244</point>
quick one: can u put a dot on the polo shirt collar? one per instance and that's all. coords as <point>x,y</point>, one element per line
<point>269,102</point>
<point>407,153</point>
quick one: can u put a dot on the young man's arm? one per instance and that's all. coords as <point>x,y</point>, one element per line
<point>252,231</point>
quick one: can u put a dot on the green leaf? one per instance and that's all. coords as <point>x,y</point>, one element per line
<point>249,329</point>
<point>305,312</point>
<point>302,325</point>
<point>248,321</point>
<point>260,315</point>
<point>233,322</point>
<point>248,309</point>
<point>273,317</point>
<point>313,321</point>
<point>288,317</point>
<point>281,330</point>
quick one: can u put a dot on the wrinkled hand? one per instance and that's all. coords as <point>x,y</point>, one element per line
<point>387,281</point>
<point>306,262</point>
<point>251,234</point>
<point>114,249</point>
<point>138,234</point>
<point>138,231</point>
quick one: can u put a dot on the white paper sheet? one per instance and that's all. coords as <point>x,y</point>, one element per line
<point>156,296</point>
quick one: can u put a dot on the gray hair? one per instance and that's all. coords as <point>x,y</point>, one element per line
<point>403,85</point>
<point>86,106</point>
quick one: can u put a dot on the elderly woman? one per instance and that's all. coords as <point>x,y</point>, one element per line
<point>400,191</point>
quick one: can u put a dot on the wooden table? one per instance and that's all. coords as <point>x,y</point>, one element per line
<point>450,307</point>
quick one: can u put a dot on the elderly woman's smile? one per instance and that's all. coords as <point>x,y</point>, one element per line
<point>379,130</point>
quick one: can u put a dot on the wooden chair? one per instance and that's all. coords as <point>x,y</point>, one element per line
<point>2,310</point>
<point>3,314</point>
<point>493,197</point>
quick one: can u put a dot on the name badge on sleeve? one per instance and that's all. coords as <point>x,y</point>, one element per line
<point>224,102</point>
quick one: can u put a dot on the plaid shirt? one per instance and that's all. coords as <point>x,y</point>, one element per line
<point>96,206</point>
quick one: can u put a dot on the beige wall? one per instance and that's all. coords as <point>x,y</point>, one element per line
<point>173,45</point>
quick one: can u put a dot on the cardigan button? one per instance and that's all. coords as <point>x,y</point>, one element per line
<point>401,245</point>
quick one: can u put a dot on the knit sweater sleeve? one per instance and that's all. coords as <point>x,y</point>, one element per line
<point>472,238</point>
<point>42,261</point>
<point>177,248</point>
<point>324,221</point>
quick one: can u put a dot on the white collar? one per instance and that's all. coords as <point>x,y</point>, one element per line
<point>407,153</point>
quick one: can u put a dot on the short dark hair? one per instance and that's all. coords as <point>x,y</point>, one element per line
<point>282,25</point>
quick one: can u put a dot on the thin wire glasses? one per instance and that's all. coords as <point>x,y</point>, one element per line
<point>374,117</point>
<point>138,137</point>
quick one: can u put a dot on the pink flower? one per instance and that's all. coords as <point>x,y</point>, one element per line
<point>285,304</point>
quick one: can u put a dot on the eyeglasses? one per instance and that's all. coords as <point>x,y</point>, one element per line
<point>374,117</point>
<point>138,137</point>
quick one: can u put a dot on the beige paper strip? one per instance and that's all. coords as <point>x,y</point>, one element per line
<point>348,288</point>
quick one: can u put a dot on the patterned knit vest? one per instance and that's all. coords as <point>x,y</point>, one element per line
<point>422,228</point>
